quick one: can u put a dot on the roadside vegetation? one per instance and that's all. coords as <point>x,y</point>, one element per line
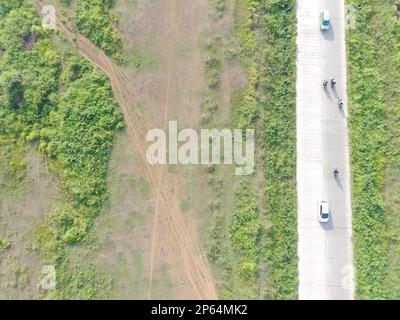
<point>259,241</point>
<point>267,37</point>
<point>277,99</point>
<point>374,91</point>
<point>53,99</point>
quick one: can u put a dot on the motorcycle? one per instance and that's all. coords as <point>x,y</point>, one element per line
<point>336,173</point>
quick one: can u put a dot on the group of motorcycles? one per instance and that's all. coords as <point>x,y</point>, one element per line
<point>340,103</point>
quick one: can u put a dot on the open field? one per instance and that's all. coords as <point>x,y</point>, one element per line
<point>22,208</point>
<point>77,191</point>
<point>374,73</point>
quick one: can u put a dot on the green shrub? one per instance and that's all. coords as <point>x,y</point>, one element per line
<point>94,20</point>
<point>219,7</point>
<point>245,231</point>
<point>4,245</point>
<point>213,64</point>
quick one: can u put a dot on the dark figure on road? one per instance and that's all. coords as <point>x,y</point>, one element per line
<point>341,103</point>
<point>325,83</point>
<point>333,82</point>
<point>336,172</point>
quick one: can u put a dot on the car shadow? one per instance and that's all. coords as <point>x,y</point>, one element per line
<point>329,34</point>
<point>327,225</point>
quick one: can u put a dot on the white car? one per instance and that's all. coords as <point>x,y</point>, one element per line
<point>323,212</point>
<point>325,20</point>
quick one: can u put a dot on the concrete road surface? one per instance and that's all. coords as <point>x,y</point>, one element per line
<point>325,250</point>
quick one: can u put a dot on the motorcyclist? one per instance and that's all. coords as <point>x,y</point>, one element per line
<point>325,83</point>
<point>336,172</point>
<point>333,82</point>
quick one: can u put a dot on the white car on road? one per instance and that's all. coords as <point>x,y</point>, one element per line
<point>324,212</point>
<point>325,20</point>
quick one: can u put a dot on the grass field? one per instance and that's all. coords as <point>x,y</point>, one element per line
<point>52,99</point>
<point>374,91</point>
<point>262,259</point>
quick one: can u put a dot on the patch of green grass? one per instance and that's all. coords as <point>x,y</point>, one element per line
<point>185,205</point>
<point>374,70</point>
<point>259,242</point>
<point>219,7</point>
<point>67,107</point>
<point>4,245</point>
<point>244,104</point>
<point>215,247</point>
<point>276,97</point>
<point>65,2</point>
<point>13,168</point>
<point>267,33</point>
<point>245,231</point>
<point>209,109</point>
<point>18,277</point>
<point>213,63</point>
<point>144,188</point>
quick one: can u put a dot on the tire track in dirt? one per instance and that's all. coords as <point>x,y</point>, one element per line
<point>192,261</point>
<point>168,46</point>
<point>154,232</point>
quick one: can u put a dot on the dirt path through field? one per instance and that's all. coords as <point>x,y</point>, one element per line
<point>178,32</point>
<point>191,268</point>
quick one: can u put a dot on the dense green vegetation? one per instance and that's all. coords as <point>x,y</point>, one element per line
<point>374,71</point>
<point>234,245</point>
<point>60,102</point>
<point>267,37</point>
<point>277,98</point>
<point>245,231</point>
<point>244,102</point>
<point>95,21</point>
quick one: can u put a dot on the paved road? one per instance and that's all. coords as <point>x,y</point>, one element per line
<point>325,251</point>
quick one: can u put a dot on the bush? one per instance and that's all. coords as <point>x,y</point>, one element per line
<point>245,230</point>
<point>94,20</point>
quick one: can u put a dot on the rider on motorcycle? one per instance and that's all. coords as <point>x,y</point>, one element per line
<point>336,172</point>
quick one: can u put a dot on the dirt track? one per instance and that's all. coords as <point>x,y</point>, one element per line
<point>192,267</point>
